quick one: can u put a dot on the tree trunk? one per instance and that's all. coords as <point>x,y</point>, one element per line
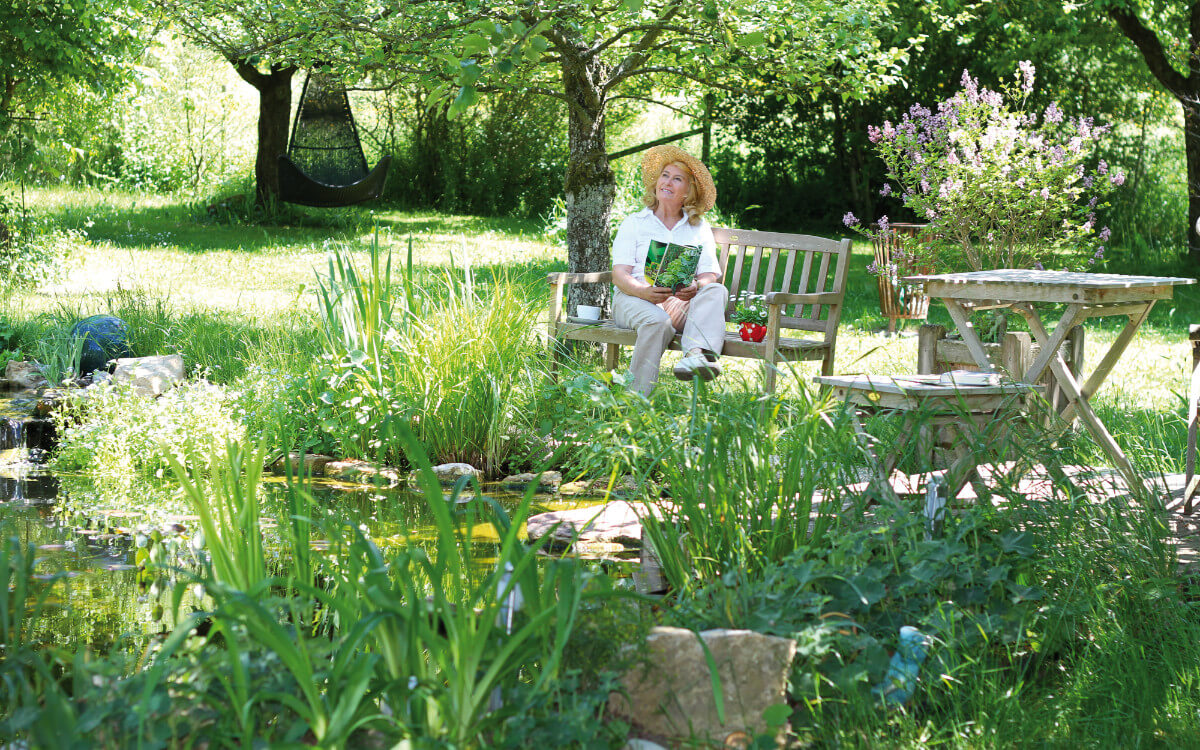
<point>1191,145</point>
<point>590,183</point>
<point>1186,89</point>
<point>274,109</point>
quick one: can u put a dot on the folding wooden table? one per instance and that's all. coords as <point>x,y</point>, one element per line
<point>1030,293</point>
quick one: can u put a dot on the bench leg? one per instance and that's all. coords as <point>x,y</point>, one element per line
<point>612,357</point>
<point>768,377</point>
<point>552,344</point>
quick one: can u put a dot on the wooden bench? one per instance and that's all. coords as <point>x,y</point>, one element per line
<point>802,278</point>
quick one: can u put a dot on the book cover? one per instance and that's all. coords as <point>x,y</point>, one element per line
<point>670,265</point>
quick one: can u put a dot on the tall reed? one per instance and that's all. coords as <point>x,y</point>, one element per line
<point>454,360</point>
<point>745,480</point>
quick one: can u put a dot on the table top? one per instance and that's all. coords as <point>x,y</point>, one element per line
<point>920,385</point>
<point>1026,285</point>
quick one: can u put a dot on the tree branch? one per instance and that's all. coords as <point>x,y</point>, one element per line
<point>1152,51</point>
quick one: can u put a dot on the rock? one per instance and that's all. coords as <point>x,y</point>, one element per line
<point>671,695</point>
<point>450,473</point>
<point>313,464</point>
<point>361,472</point>
<point>612,522</point>
<point>24,375</point>
<point>150,376</point>
<point>575,488</point>
<point>547,481</point>
<point>105,338</point>
<point>625,485</point>
<point>640,744</point>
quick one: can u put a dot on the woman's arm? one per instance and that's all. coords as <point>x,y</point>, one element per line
<point>625,281</point>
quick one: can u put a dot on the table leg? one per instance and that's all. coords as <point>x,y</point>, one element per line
<point>962,321</point>
<point>881,469</point>
<point>1078,402</point>
<point>1105,366</point>
<point>1071,317</point>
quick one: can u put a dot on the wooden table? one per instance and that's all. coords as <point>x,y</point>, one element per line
<point>975,414</point>
<point>1030,293</point>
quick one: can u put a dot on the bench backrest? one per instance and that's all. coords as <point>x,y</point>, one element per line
<point>762,262</point>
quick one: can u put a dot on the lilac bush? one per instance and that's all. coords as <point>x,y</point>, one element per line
<point>1000,187</point>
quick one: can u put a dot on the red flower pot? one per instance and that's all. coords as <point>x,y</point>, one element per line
<point>753,332</point>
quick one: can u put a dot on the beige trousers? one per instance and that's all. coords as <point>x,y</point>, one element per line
<point>701,320</point>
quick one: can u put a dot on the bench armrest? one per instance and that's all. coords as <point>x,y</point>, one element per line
<point>822,298</point>
<point>595,277</point>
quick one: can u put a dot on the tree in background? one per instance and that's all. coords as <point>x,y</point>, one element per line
<point>1167,34</point>
<point>590,55</point>
<point>259,39</point>
<point>47,46</point>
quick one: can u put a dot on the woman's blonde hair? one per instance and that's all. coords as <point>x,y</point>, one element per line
<point>690,208</point>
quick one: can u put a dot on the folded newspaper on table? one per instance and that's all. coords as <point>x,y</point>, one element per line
<point>967,377</point>
<point>674,265</point>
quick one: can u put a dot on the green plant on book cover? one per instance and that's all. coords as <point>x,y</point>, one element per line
<point>676,264</point>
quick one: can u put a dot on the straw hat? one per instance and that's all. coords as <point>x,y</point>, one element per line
<point>658,157</point>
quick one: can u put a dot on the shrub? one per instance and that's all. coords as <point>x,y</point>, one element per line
<point>114,435</point>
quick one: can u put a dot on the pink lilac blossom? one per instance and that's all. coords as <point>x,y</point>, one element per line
<point>1105,233</point>
<point>886,190</point>
<point>1117,178</point>
<point>1053,114</point>
<point>850,219</point>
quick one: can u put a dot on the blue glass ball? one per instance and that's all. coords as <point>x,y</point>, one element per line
<point>104,337</point>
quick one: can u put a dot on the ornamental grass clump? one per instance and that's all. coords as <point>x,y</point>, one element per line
<point>1001,186</point>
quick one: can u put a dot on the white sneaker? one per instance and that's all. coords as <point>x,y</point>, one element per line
<point>698,363</point>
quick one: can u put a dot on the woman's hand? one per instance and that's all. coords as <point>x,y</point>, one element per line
<point>685,294</point>
<point>689,291</point>
<point>623,278</point>
<point>655,294</point>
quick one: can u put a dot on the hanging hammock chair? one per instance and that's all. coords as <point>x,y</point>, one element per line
<point>324,165</point>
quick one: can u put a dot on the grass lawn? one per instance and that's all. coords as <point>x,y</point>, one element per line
<point>186,263</point>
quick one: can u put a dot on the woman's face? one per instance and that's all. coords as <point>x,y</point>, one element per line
<point>672,186</point>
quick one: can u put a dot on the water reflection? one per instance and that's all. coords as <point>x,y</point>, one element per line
<point>98,541</point>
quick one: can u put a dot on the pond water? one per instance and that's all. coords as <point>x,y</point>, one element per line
<point>96,540</point>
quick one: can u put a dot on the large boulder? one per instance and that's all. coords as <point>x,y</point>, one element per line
<point>617,522</point>
<point>105,337</point>
<point>450,473</point>
<point>150,376</point>
<point>24,375</point>
<point>671,693</point>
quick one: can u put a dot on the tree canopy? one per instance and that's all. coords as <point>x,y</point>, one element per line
<point>592,53</point>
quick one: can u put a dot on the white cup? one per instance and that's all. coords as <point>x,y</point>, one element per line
<point>588,312</point>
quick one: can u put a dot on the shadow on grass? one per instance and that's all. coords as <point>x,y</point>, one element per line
<point>201,228</point>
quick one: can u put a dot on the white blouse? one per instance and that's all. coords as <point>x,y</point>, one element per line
<point>635,233</point>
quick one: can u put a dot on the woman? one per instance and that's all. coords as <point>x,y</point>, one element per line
<point>679,190</point>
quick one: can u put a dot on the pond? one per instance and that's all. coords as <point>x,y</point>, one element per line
<point>120,553</point>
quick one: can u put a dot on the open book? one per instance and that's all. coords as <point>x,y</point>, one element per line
<point>670,265</point>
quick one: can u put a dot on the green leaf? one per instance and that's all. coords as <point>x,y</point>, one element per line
<point>475,44</point>
<point>465,99</point>
<point>753,39</point>
<point>777,716</point>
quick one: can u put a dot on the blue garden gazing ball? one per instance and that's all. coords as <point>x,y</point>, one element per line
<point>104,337</point>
